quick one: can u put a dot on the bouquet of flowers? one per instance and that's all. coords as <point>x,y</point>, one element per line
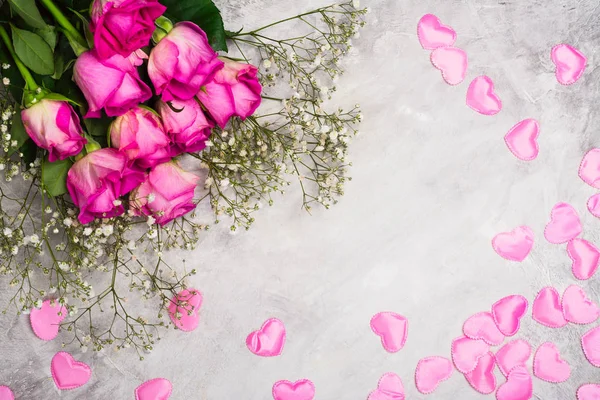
<point>119,117</point>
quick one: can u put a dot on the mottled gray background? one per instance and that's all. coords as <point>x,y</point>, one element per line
<point>433,183</point>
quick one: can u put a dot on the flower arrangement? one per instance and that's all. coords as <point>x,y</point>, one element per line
<point>119,117</point>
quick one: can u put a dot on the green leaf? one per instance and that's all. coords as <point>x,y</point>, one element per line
<point>29,12</point>
<point>54,176</point>
<point>16,80</point>
<point>89,37</point>
<point>98,129</point>
<point>204,13</point>
<point>60,97</point>
<point>17,133</point>
<point>49,35</point>
<point>33,51</point>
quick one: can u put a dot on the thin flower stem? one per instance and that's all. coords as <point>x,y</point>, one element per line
<point>64,22</point>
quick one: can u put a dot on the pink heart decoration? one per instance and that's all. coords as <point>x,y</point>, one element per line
<point>513,354</point>
<point>68,373</point>
<point>433,34</point>
<point>482,377</point>
<point>6,393</point>
<point>481,96</point>
<point>590,341</point>
<point>45,321</point>
<point>154,389</point>
<point>392,328</point>
<point>589,169</point>
<point>564,224</point>
<point>593,205</point>
<point>514,245</point>
<point>466,353</point>
<point>522,139</point>
<point>299,390</point>
<point>548,366</point>
<point>507,313</point>
<point>184,309</point>
<point>431,371</point>
<point>453,63</point>
<point>577,307</point>
<point>585,258</point>
<point>518,385</point>
<point>268,340</point>
<point>589,391</point>
<point>570,63</point>
<point>547,309</point>
<point>482,326</point>
<point>389,388</point>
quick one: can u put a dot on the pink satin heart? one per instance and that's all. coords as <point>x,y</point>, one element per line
<point>548,366</point>
<point>431,371</point>
<point>184,309</point>
<point>481,96</point>
<point>154,389</point>
<point>547,309</point>
<point>570,63</point>
<point>564,224</point>
<point>268,340</point>
<point>512,354</point>
<point>577,307</point>
<point>518,385</point>
<point>589,391</point>
<point>45,321</point>
<point>590,342</point>
<point>392,328</point>
<point>6,393</point>
<point>482,377</point>
<point>522,139</point>
<point>593,205</point>
<point>390,387</point>
<point>514,245</point>
<point>299,390</point>
<point>69,373</point>
<point>452,62</point>
<point>433,34</point>
<point>507,313</point>
<point>466,353</point>
<point>482,326</point>
<point>585,258</point>
<point>589,169</point>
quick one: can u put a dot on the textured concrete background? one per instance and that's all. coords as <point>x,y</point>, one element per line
<point>433,183</point>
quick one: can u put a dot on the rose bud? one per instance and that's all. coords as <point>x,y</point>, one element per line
<point>186,125</point>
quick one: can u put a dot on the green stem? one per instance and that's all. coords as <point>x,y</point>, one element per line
<point>64,22</point>
<point>31,83</point>
<point>280,22</point>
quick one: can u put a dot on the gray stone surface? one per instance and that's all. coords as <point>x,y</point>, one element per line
<point>433,183</point>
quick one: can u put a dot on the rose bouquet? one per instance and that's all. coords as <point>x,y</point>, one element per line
<point>120,117</point>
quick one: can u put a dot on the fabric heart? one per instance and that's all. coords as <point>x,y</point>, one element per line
<point>431,371</point>
<point>299,390</point>
<point>593,205</point>
<point>6,393</point>
<point>433,34</point>
<point>512,354</point>
<point>547,309</point>
<point>564,224</point>
<point>466,353</point>
<point>392,328</point>
<point>514,245</point>
<point>452,62</point>
<point>548,366</point>
<point>590,341</point>
<point>482,326</point>
<point>68,373</point>
<point>589,169</point>
<point>389,388</point>
<point>45,321</point>
<point>154,389</point>
<point>507,313</point>
<point>522,139</point>
<point>577,307</point>
<point>589,391</point>
<point>481,96</point>
<point>570,63</point>
<point>184,309</point>
<point>518,385</point>
<point>585,258</point>
<point>268,340</point>
<point>482,377</point>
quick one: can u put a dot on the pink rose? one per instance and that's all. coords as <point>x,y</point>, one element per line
<point>123,26</point>
<point>97,180</point>
<point>53,125</point>
<point>140,135</point>
<point>189,129</point>
<point>113,84</point>
<point>167,193</point>
<point>182,62</point>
